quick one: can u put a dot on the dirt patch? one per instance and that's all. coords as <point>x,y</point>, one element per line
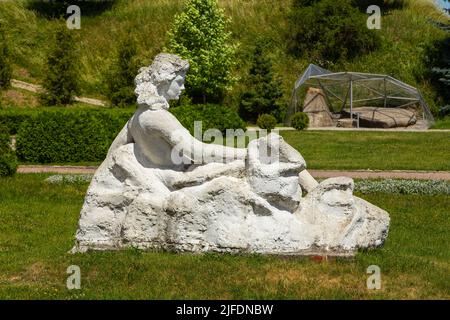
<point>35,272</point>
<point>286,275</point>
<point>19,99</point>
<point>23,73</point>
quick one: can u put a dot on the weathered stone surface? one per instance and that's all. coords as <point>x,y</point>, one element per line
<point>372,117</point>
<point>316,107</point>
<point>160,188</point>
<point>346,123</point>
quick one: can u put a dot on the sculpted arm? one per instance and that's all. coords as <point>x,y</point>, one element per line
<point>180,138</point>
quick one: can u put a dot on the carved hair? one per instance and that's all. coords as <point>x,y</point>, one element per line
<point>166,67</point>
<point>151,82</point>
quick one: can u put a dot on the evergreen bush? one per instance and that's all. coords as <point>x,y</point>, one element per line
<point>437,58</point>
<point>266,121</point>
<point>120,76</point>
<point>264,90</point>
<point>300,121</point>
<point>5,60</point>
<point>61,77</point>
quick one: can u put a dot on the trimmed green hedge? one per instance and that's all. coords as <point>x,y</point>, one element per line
<point>213,116</point>
<point>12,119</point>
<point>69,135</point>
<point>83,135</point>
<point>8,159</point>
<point>4,140</point>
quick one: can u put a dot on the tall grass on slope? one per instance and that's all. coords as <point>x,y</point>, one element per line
<point>405,34</point>
<point>428,8</point>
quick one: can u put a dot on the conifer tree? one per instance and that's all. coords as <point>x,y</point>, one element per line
<point>264,90</point>
<point>5,60</point>
<point>120,78</point>
<point>61,77</point>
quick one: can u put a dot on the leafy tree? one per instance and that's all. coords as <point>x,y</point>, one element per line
<point>264,90</point>
<point>199,35</point>
<point>5,61</point>
<point>120,78</point>
<point>330,30</point>
<point>61,80</point>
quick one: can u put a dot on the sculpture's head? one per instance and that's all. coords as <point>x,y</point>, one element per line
<point>162,81</point>
<point>168,72</point>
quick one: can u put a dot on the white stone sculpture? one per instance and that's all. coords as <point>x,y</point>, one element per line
<point>160,188</point>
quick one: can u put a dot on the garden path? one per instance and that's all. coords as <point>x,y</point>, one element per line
<point>321,174</point>
<point>37,88</point>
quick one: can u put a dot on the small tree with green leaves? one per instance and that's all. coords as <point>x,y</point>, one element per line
<point>61,77</point>
<point>264,90</point>
<point>121,74</point>
<point>5,60</point>
<point>199,35</point>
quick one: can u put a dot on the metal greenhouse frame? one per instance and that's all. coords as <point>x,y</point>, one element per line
<point>350,90</point>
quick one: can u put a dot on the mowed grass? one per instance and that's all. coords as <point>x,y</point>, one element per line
<point>358,150</point>
<point>345,150</point>
<point>38,221</point>
<point>443,123</point>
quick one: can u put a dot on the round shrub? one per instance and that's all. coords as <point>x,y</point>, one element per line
<point>8,164</point>
<point>266,121</point>
<point>300,121</point>
<point>213,116</point>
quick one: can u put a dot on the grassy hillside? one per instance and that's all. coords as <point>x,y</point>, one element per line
<point>405,35</point>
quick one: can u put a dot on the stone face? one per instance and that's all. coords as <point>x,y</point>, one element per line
<point>160,188</point>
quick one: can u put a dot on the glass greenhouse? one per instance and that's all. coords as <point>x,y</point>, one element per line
<point>355,99</point>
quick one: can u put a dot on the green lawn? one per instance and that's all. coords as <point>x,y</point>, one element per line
<point>443,123</point>
<point>345,150</point>
<point>372,150</point>
<point>38,221</point>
